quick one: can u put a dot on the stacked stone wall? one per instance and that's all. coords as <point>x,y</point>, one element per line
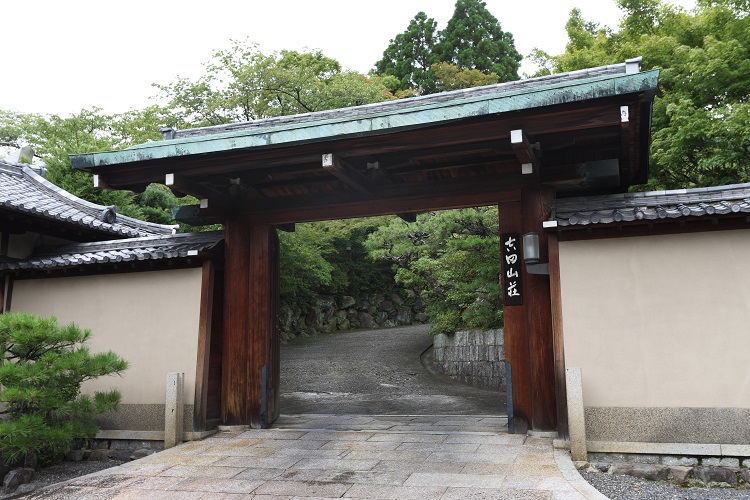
<point>473,358</point>
<point>367,310</point>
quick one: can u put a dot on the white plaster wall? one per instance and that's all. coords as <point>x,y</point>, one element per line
<point>148,318</point>
<point>659,321</point>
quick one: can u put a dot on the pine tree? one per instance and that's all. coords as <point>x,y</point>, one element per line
<point>410,54</point>
<point>473,39</point>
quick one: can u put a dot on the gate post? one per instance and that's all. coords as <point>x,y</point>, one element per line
<point>249,319</point>
<point>528,325</point>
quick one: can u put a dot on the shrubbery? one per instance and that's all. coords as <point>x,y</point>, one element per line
<point>41,371</point>
<point>453,257</point>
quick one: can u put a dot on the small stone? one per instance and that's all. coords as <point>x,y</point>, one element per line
<point>123,455</point>
<point>711,461</point>
<point>581,464</point>
<point>721,475</point>
<point>27,488</point>
<point>746,462</point>
<point>601,466</point>
<point>679,473</point>
<point>642,459</point>
<point>729,462</point>
<point>99,455</point>
<point>140,453</point>
<point>745,475</point>
<point>15,478</point>
<point>346,302</point>
<point>74,455</point>
<point>681,461</point>
<point>652,472</point>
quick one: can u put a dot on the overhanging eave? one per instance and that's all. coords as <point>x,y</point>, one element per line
<point>372,120</point>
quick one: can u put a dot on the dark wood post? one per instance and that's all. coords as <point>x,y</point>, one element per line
<point>528,326</point>
<point>516,336</point>
<point>249,319</point>
<point>537,204</point>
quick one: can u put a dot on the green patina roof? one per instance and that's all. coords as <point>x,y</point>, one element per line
<point>385,117</point>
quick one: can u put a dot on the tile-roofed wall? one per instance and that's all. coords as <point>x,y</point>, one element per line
<point>653,205</point>
<point>403,104</point>
<point>25,191</point>
<point>116,251</point>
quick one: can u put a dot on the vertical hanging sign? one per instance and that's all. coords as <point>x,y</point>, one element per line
<point>512,290</point>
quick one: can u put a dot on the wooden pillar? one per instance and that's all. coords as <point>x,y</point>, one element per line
<point>249,320</point>
<point>553,245</point>
<point>528,326</point>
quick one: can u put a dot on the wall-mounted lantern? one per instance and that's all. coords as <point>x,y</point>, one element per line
<point>531,255</point>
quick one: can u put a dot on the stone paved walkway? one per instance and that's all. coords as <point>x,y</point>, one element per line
<point>347,456</point>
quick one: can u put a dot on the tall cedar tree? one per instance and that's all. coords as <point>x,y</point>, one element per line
<point>473,39</point>
<point>410,55</point>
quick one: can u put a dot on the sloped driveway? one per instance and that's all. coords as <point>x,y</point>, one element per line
<point>375,372</point>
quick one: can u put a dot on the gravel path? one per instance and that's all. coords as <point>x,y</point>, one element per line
<point>374,372</point>
<point>630,488</point>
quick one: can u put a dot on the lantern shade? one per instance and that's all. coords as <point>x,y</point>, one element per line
<point>531,248</point>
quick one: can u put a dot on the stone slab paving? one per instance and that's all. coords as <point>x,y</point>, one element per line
<point>347,456</point>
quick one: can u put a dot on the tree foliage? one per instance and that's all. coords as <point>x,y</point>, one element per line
<point>410,55</point>
<point>42,369</point>
<point>453,257</point>
<point>54,138</point>
<point>474,39</point>
<point>472,50</point>
<point>701,116</point>
<point>242,84</point>
<point>329,257</point>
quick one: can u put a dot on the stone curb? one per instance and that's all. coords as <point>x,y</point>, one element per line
<point>570,473</point>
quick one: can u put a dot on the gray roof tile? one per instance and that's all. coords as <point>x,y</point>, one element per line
<point>653,205</point>
<point>125,250</point>
<point>25,191</point>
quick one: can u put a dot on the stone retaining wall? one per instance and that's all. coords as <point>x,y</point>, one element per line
<point>474,358</point>
<point>367,310</point>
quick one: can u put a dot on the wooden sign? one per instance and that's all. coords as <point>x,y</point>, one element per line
<point>512,261</point>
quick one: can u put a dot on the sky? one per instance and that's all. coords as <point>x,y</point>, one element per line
<point>60,57</point>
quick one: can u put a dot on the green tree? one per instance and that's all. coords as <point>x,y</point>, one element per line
<point>453,258</point>
<point>450,77</point>
<point>474,39</point>
<point>243,84</point>
<point>42,369</point>
<point>410,55</point>
<point>54,138</point>
<point>701,117</point>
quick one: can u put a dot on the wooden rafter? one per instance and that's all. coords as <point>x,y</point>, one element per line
<point>346,173</point>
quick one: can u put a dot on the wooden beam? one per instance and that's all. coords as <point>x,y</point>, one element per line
<point>287,228</point>
<point>525,152</point>
<point>100,183</point>
<point>346,173</point>
<point>348,208</point>
<point>408,217</point>
<point>563,174</point>
<point>186,185</point>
